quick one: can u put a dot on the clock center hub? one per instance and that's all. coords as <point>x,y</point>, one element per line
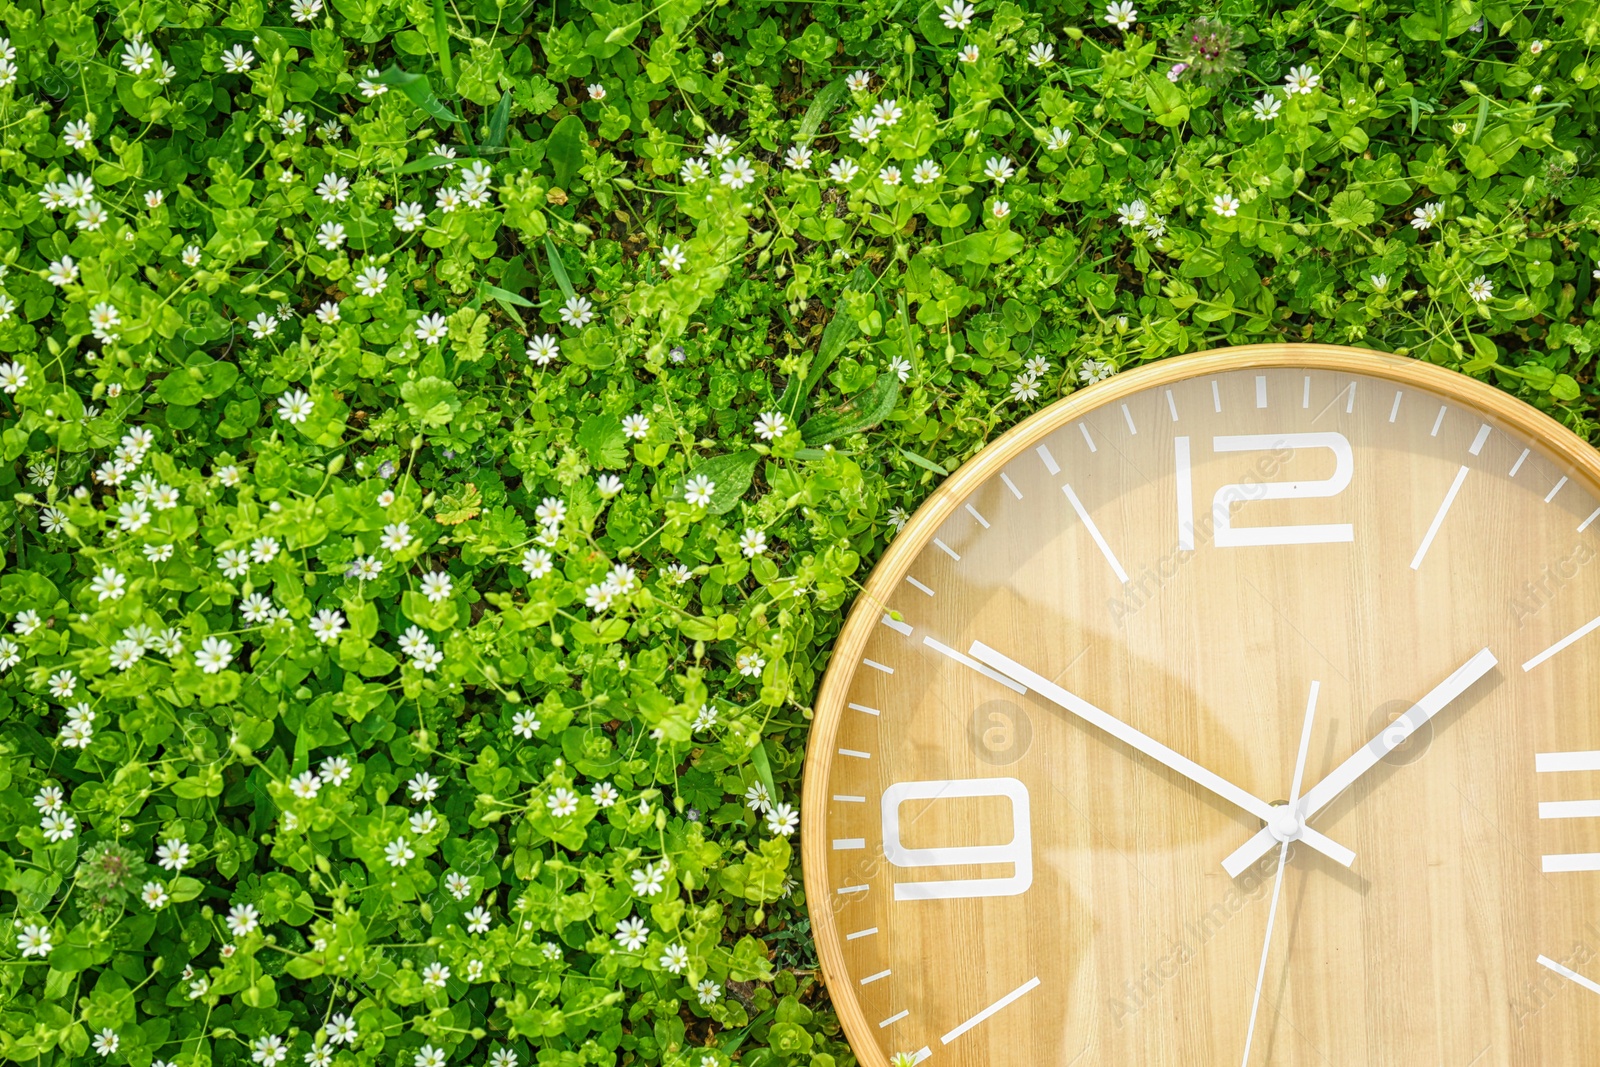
<point>1286,825</point>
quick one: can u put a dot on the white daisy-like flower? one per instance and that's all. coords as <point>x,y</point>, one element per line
<point>34,940</point>
<point>1000,209</point>
<point>58,826</point>
<point>1042,54</point>
<point>1225,204</point>
<point>798,157</point>
<point>269,1051</point>
<point>782,820</point>
<point>371,281</point>
<point>409,216</point>
<point>562,802</point>
<point>1095,370</point>
<point>858,81</point>
<point>694,169</point>
<point>635,427</point>
<point>998,169</point>
<point>968,54</point>
<point>1301,79</point>
<point>632,933</point>
<point>1480,289</point>
<point>889,176</point>
<point>154,198</point>
<point>843,170</point>
<point>109,584</point>
<point>718,146</point>
<point>330,235</point>
<point>750,663</point>
<point>305,10</point>
<point>335,771</point>
<point>1425,215</point>
<point>604,794</point>
<point>1266,108</point>
<point>138,57</point>
<point>770,425</point>
<point>13,376</point>
<point>62,272</point>
<point>106,1041</point>
<point>431,329</point>
<point>609,485</point>
<point>215,654</point>
<point>542,349</point>
<point>1121,14</point>
<point>263,326</point>
<point>238,60</point>
<point>295,406</point>
<point>752,543</point>
<point>597,91</point>
<point>672,258</point>
<point>864,129</point>
<point>333,188</point>
<point>926,173</point>
<point>437,586</point>
<point>525,723</point>
<point>698,490</point>
<point>577,312</point>
<point>328,624</point>
<point>737,173</point>
<point>305,785</point>
<point>399,852</point>
<point>537,563</point>
<point>243,919</point>
<point>708,992</point>
<point>674,958</point>
<point>957,15</point>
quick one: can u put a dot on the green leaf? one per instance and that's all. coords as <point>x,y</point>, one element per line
<point>506,296</point>
<point>861,412</point>
<point>730,475</point>
<point>822,104</point>
<point>564,149</point>
<point>924,462</point>
<point>498,123</point>
<point>1349,209</point>
<point>839,331</point>
<point>558,268</point>
<point>420,92</point>
<point>601,437</point>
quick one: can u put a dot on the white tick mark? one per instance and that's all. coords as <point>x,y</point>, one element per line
<point>1011,486</point>
<point>855,753</point>
<point>891,1020</point>
<point>845,798</point>
<point>1216,396</point>
<point>1551,495</point>
<point>1172,406</point>
<point>1350,405</point>
<point>849,844</point>
<point>1128,415</point>
<point>947,550</point>
<point>1086,438</point>
<point>902,628</point>
<point>974,513</point>
<point>1438,421</point>
<point>913,583</point>
<point>1479,441</point>
<point>869,979</point>
<point>1568,973</point>
<point>1004,1002</point>
<point>1261,390</point>
<point>1398,393</point>
<point>864,708</point>
<point>1584,525</point>
<point>874,664</point>
<point>1515,467</point>
<point>1577,635</point>
<point>846,890</point>
<point>1305,395</point>
<point>1050,463</point>
<point>859,934</point>
<point>1094,532</point>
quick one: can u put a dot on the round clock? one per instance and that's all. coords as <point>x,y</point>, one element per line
<point>1239,709</point>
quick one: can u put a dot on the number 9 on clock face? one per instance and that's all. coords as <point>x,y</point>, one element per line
<point>1239,709</point>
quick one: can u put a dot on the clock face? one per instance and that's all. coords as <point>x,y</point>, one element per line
<point>1240,709</point>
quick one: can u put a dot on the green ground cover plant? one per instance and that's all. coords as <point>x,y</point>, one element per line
<point>441,439</point>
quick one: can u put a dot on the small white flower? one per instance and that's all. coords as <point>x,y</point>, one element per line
<point>215,654</point>
<point>1121,14</point>
<point>269,1050</point>
<point>238,59</point>
<point>263,326</point>
<point>864,129</point>
<point>242,919</point>
<point>1301,79</point>
<point>1057,139</point>
<point>1042,54</point>
<point>577,312</point>
<point>888,112</point>
<point>436,586</point>
<point>635,427</point>
<point>330,235</point>
<point>737,173</point>
<point>798,157</point>
<point>597,91</point>
<point>399,852</point>
<point>648,880</point>
<point>1024,388</point>
<point>609,485</point>
<point>1480,289</point>
<point>1535,47</point>
<point>858,81</point>
<point>191,256</point>
<point>957,15</point>
<point>1094,370</point>
<point>708,992</point>
<point>106,1041</point>
<point>604,794</point>
<point>694,170</point>
<point>562,802</point>
<point>750,663</point>
<point>1225,204</point>
<point>34,941</point>
<point>783,819</point>
<point>542,349</point>
<point>409,217</point>
<point>13,376</point>
<point>718,146</point>
<point>62,272</point>
<point>138,57</point>
<point>434,976</point>
<point>889,176</point>
<point>672,258</point>
<point>1133,213</point>
<point>58,826</point>
<point>333,188</point>
<point>109,584</point>
<point>968,54</point>
<point>843,171</point>
<point>1000,209</point>
<point>1380,282</point>
<point>998,169</point>
<point>1266,108</point>
<point>431,329</point>
<point>632,933</point>
<point>536,562</point>
<point>698,490</point>
<point>371,281</point>
<point>154,198</point>
<point>524,723</point>
<point>674,958</point>
<point>752,543</point>
<point>1425,215</point>
<point>925,173</point>
<point>771,425</point>
<point>295,406</point>
<point>478,920</point>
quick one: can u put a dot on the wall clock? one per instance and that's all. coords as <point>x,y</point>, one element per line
<point>1244,708</point>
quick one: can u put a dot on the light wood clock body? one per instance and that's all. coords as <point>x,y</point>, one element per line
<point>1075,693</point>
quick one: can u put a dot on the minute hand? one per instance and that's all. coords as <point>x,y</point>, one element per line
<point>1326,791</point>
<point>1150,747</point>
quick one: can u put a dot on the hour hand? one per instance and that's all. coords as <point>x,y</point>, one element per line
<point>1151,747</point>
